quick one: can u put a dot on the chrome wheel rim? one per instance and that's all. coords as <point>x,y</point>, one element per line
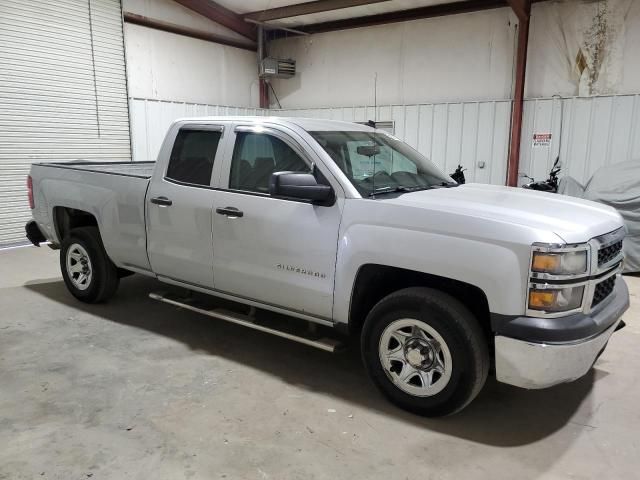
<point>79,266</point>
<point>415,357</point>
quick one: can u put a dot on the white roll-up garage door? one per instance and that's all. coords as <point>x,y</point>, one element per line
<point>63,93</point>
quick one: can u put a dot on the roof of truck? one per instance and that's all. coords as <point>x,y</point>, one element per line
<point>309,124</point>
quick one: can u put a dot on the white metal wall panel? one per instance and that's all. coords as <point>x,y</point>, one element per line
<point>150,120</point>
<point>587,133</point>
<point>62,93</point>
<point>595,131</point>
<point>473,134</point>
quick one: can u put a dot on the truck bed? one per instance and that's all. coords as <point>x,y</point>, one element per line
<point>127,169</point>
<point>112,192</point>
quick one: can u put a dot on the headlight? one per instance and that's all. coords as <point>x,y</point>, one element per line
<point>560,263</point>
<point>557,279</point>
<point>556,300</point>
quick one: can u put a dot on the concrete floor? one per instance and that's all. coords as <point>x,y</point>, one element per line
<point>136,389</point>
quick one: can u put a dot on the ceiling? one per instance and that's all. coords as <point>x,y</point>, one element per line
<point>380,7</point>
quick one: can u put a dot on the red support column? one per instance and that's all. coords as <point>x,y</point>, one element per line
<point>262,52</point>
<point>264,93</point>
<point>524,15</point>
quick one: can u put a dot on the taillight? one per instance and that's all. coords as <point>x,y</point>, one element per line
<point>30,191</point>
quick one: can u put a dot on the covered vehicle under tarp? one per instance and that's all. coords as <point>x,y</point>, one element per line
<point>618,186</point>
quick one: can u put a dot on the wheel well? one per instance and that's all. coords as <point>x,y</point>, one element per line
<point>374,282</point>
<point>65,219</point>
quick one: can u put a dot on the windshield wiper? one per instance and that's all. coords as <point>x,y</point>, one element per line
<point>399,188</point>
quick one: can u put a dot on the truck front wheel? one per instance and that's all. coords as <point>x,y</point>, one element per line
<point>88,272</point>
<point>425,351</point>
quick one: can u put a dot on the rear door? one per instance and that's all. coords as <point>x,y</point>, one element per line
<point>179,207</point>
<point>277,251</point>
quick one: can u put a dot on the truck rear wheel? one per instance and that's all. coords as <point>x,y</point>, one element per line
<point>88,272</point>
<point>425,351</point>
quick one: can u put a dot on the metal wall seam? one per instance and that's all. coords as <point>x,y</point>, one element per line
<point>634,129</point>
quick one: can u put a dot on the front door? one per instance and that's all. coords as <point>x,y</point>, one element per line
<point>179,208</point>
<point>276,251</point>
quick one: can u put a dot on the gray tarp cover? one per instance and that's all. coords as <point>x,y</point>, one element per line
<point>616,185</point>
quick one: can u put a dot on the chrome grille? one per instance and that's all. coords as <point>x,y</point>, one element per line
<point>603,290</point>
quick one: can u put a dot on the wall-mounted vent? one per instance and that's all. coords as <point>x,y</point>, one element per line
<point>277,68</point>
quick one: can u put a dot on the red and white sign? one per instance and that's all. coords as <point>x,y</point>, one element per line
<point>541,139</point>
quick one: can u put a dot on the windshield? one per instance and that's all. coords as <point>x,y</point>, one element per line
<point>376,163</point>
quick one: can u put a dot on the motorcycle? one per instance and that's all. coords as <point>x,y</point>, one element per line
<point>548,185</point>
<point>458,175</point>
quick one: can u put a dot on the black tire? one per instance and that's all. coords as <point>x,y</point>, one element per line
<point>104,278</point>
<point>458,328</point>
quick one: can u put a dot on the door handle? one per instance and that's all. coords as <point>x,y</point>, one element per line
<point>162,201</point>
<point>231,212</point>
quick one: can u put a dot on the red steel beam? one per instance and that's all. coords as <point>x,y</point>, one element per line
<point>221,15</point>
<point>185,31</point>
<point>521,8</point>
<point>439,10</point>
<point>513,164</point>
<point>306,8</point>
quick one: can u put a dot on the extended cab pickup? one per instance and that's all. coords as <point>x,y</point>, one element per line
<point>343,225</point>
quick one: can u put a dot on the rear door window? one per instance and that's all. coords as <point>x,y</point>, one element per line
<point>192,157</point>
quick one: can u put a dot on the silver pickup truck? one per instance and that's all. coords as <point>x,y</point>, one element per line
<point>342,227</point>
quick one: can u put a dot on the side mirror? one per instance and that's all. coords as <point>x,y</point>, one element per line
<point>303,186</point>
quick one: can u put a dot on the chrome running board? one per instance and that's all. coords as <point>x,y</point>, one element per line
<point>324,343</point>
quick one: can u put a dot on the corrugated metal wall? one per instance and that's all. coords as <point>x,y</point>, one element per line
<point>150,120</point>
<point>473,134</point>
<point>595,131</point>
<point>587,133</point>
<point>449,133</point>
<point>62,93</point>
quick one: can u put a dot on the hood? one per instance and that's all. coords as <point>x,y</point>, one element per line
<point>573,219</point>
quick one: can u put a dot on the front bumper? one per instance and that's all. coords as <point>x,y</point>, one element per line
<point>535,364</point>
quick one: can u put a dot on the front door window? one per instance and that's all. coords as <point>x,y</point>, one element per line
<point>256,156</point>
